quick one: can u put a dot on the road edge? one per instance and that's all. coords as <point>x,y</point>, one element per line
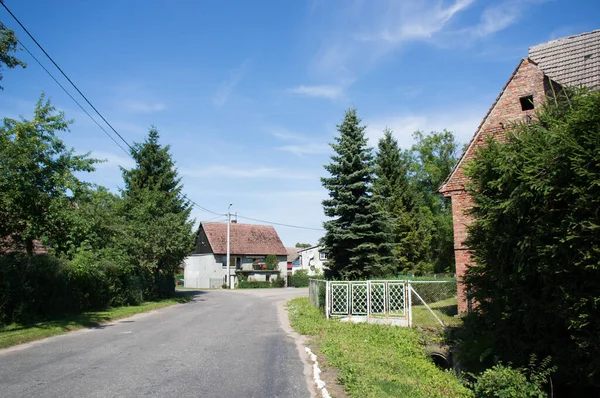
<point>300,341</point>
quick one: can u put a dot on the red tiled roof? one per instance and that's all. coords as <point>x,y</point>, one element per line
<point>248,239</point>
<point>292,253</point>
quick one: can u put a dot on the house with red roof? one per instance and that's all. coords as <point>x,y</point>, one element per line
<point>250,244</point>
<point>572,61</point>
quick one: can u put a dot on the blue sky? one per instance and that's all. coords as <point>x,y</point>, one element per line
<point>248,94</point>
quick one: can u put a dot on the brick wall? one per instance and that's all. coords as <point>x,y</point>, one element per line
<point>527,80</point>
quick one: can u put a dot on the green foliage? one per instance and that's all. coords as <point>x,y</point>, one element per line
<point>8,46</point>
<point>245,284</point>
<point>271,262</point>
<point>158,234</point>
<point>303,245</point>
<point>535,240</point>
<point>299,278</point>
<point>356,237</point>
<point>375,360</point>
<point>433,157</point>
<point>502,381</point>
<point>37,176</point>
<point>41,287</point>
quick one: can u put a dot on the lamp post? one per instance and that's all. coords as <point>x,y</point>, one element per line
<point>229,286</point>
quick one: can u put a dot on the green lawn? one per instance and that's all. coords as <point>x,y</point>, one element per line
<point>375,360</point>
<point>445,310</point>
<point>14,334</point>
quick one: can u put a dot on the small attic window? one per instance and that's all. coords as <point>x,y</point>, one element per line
<point>526,103</point>
<point>587,57</point>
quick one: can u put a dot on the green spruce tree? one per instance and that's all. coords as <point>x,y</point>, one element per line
<point>157,213</point>
<point>356,237</point>
<point>399,202</point>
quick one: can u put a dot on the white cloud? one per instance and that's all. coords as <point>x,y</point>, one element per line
<point>141,106</point>
<point>302,145</point>
<point>306,149</point>
<point>244,171</point>
<point>462,123</point>
<point>112,160</point>
<point>360,33</point>
<point>226,87</point>
<point>324,91</point>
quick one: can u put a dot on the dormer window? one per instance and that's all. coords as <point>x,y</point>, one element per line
<point>526,103</point>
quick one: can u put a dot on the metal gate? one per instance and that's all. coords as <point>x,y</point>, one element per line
<point>368,301</point>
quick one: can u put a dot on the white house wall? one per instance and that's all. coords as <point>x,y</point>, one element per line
<point>305,257</point>
<point>202,269</point>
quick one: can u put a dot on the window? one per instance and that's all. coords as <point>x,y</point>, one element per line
<point>526,103</point>
<point>322,256</point>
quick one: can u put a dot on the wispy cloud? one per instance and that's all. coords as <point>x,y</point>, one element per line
<point>244,171</point>
<point>500,16</point>
<point>324,91</point>
<point>226,87</point>
<point>462,124</point>
<point>306,149</point>
<point>301,144</point>
<point>138,106</point>
<point>112,160</point>
<point>365,31</point>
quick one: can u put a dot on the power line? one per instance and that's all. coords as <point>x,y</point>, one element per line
<point>109,125</point>
<point>70,96</point>
<point>281,224</point>
<point>65,75</point>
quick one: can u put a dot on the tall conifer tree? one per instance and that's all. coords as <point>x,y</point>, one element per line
<point>160,232</point>
<point>355,238</point>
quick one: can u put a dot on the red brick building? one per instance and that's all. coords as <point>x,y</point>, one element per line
<point>569,61</point>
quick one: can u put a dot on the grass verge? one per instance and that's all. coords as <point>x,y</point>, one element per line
<point>15,334</point>
<point>375,360</point>
<point>444,309</point>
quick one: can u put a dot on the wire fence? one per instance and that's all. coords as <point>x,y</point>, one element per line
<point>434,303</point>
<point>422,303</point>
<point>317,292</point>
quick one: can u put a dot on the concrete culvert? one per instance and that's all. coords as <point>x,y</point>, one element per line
<point>441,360</point>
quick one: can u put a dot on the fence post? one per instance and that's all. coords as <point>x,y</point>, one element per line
<point>409,301</point>
<point>327,298</point>
<point>368,300</point>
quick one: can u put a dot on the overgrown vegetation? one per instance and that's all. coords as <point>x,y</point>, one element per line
<point>300,278</point>
<point>103,249</point>
<point>535,244</point>
<point>375,360</point>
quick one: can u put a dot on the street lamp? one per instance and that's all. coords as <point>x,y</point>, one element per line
<point>229,286</point>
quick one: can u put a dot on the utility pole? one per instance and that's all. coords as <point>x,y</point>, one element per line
<point>229,286</point>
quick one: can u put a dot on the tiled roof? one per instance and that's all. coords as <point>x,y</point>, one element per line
<point>292,253</point>
<point>248,239</point>
<point>572,60</point>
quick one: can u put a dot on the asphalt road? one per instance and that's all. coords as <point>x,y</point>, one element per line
<point>223,344</point>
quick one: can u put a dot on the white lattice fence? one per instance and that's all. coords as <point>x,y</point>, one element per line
<point>401,302</point>
<point>370,301</point>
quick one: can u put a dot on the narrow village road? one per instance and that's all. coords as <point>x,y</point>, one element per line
<point>223,344</point>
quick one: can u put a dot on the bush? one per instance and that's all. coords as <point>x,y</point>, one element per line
<point>42,287</point>
<point>254,285</point>
<point>271,262</point>
<point>535,241</point>
<point>503,381</point>
<point>299,279</point>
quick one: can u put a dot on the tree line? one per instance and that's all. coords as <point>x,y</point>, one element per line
<point>103,248</point>
<point>386,217</point>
